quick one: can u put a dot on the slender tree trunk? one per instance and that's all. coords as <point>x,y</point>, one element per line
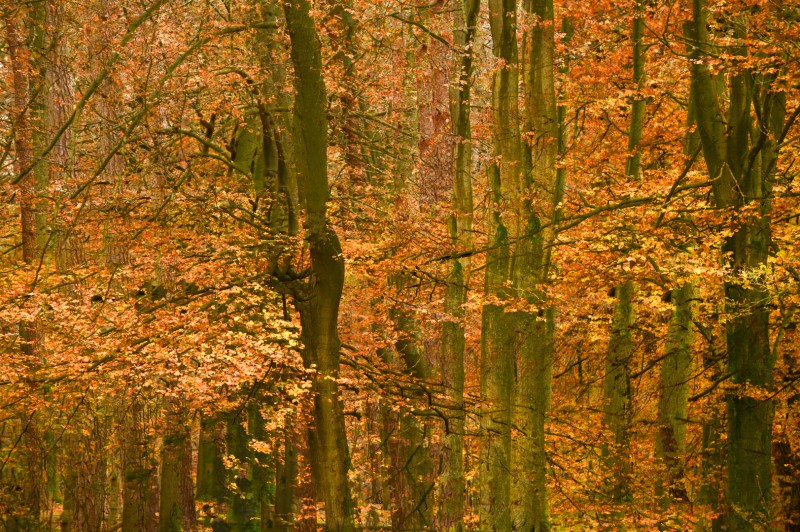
<point>34,487</point>
<point>263,470</point>
<point>617,391</point>
<point>452,493</point>
<point>286,485</point>
<point>497,355</point>
<point>787,472</point>
<point>241,508</point>
<point>20,59</point>
<point>676,369</point>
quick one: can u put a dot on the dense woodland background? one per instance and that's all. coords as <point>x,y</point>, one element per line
<point>404,264</point>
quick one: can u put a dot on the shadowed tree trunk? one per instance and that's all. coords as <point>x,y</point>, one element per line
<point>497,355</point>
<point>740,155</point>
<point>176,508</point>
<point>138,470</point>
<point>410,473</point>
<point>212,486</point>
<point>318,304</point>
<point>537,207</point>
<point>452,493</point>
<point>674,395</point>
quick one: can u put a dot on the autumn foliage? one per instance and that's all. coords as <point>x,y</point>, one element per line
<point>440,265</point>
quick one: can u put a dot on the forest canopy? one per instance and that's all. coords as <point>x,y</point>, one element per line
<point>400,264</point>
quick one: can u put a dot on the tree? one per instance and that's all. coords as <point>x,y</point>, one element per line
<point>319,305</point>
<point>740,155</point>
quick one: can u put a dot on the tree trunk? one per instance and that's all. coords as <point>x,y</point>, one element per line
<point>535,330</point>
<point>241,509</point>
<point>286,485</point>
<point>497,367</point>
<point>617,397</point>
<point>674,396</point>
<point>176,508</point>
<point>410,473</point>
<point>741,161</point>
<point>212,486</point>
<point>617,394</point>
<point>138,471</point>
<point>319,305</point>
<point>34,487</point>
<point>452,492</point>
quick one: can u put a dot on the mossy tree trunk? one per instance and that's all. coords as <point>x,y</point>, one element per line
<point>286,485</point>
<point>138,471</point>
<point>536,208</point>
<point>410,467</point>
<point>25,113</point>
<point>617,396</point>
<point>318,301</point>
<point>673,400</point>
<point>452,493</point>
<point>740,155</point>
<point>497,355</point>
<point>212,486</point>
<point>176,501</point>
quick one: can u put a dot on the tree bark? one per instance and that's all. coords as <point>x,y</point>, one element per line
<point>674,396</point>
<point>34,488</point>
<point>452,492</point>
<point>497,356</point>
<point>617,397</point>
<point>138,470</point>
<point>617,391</point>
<point>176,501</point>
<point>535,328</point>
<point>319,307</point>
<point>741,161</point>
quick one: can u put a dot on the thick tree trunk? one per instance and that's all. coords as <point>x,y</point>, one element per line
<point>617,397</point>
<point>212,485</point>
<point>742,176</point>
<point>410,468</point>
<point>138,470</point>
<point>84,482</point>
<point>319,304</point>
<point>674,396</point>
<point>535,330</point>
<point>176,501</point>
<point>497,357</point>
<point>435,161</point>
